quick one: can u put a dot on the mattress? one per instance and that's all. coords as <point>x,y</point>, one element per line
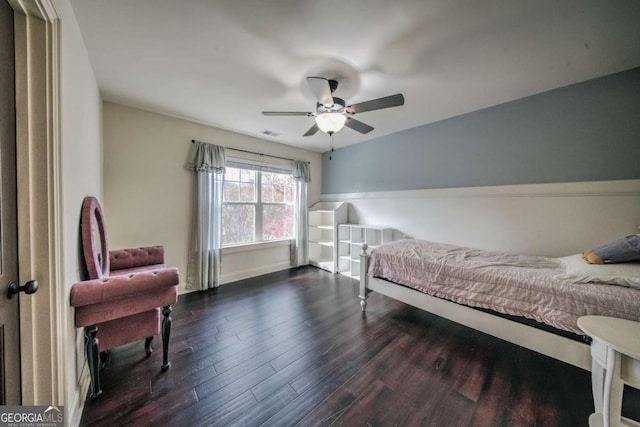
<point>517,285</point>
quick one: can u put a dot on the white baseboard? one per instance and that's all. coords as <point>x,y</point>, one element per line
<point>74,409</point>
<point>182,289</point>
<point>246,274</point>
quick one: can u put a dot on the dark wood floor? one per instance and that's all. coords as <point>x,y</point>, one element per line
<point>294,348</point>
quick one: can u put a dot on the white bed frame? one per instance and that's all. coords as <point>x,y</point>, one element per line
<point>547,343</point>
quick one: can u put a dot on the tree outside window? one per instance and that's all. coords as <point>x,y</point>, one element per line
<point>257,206</point>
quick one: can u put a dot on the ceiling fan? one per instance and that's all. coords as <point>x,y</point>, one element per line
<point>331,114</point>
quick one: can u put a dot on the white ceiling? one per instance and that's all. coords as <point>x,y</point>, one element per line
<point>223,62</point>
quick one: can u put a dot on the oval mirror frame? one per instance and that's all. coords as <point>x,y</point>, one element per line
<point>92,220</point>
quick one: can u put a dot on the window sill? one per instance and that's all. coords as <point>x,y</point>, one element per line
<point>255,246</point>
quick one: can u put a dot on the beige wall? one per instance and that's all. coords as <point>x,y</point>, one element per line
<point>81,175</point>
<point>147,190</point>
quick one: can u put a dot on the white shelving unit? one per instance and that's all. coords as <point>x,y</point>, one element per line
<point>350,240</point>
<point>324,218</point>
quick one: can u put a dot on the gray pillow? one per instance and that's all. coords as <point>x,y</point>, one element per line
<point>622,250</point>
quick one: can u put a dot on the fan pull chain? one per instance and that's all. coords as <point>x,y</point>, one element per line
<point>331,143</point>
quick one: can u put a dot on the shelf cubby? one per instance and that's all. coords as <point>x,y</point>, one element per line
<point>350,240</point>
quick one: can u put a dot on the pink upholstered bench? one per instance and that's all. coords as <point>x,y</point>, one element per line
<point>121,301</point>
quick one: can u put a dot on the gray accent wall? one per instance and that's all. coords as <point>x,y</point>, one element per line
<point>588,131</point>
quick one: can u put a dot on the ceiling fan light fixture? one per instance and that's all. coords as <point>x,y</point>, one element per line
<point>330,122</point>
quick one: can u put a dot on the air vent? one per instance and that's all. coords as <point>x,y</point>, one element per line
<point>270,133</point>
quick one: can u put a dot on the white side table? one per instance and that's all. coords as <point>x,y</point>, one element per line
<point>615,353</point>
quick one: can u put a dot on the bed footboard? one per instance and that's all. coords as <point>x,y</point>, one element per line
<point>364,278</point>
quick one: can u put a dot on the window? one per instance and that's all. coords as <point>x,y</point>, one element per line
<point>257,206</point>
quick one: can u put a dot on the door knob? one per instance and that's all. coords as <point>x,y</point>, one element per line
<point>29,288</point>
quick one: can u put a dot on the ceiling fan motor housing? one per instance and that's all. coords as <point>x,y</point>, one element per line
<point>337,107</point>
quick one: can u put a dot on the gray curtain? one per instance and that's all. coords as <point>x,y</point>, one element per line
<point>207,161</point>
<point>302,175</point>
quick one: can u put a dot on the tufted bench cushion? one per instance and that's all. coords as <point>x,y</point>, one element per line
<point>127,271</point>
<point>101,300</point>
<point>137,257</point>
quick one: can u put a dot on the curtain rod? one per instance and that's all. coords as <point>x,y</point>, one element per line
<point>259,154</point>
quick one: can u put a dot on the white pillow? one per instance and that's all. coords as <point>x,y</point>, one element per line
<point>577,270</point>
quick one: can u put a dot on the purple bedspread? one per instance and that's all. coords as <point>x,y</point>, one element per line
<point>519,285</point>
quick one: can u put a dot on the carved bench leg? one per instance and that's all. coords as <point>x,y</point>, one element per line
<point>93,357</point>
<point>166,333</point>
<point>105,357</point>
<point>147,346</point>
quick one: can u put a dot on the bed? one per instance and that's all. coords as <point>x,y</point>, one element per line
<point>479,288</point>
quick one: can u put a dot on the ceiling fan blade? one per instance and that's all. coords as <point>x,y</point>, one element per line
<point>312,130</point>
<point>358,125</point>
<point>321,89</point>
<point>287,113</point>
<point>377,104</point>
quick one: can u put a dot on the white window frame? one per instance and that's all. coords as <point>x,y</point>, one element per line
<point>258,204</point>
